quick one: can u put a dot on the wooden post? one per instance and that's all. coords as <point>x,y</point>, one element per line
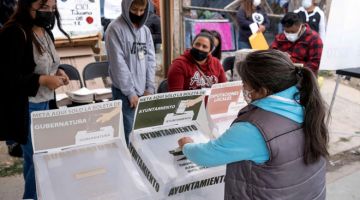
<point>167,30</point>
<point>178,29</point>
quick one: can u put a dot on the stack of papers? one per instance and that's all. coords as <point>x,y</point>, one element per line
<point>99,86</point>
<point>62,100</point>
<point>102,93</point>
<point>82,95</point>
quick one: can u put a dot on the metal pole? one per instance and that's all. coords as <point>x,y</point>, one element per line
<point>333,99</point>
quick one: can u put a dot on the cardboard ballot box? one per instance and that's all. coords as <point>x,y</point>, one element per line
<point>161,120</point>
<point>79,153</point>
<point>224,103</point>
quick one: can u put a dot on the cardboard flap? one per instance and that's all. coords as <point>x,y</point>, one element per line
<point>168,109</point>
<point>54,130</point>
<point>224,102</point>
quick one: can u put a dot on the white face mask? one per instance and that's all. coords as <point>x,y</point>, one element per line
<point>247,96</point>
<point>306,3</point>
<point>256,2</point>
<point>292,37</point>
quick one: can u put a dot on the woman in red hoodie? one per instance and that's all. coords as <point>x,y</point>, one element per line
<point>196,68</point>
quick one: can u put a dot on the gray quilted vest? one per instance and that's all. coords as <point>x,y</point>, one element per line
<point>284,176</point>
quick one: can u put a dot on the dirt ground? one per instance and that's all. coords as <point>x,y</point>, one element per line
<point>345,158</point>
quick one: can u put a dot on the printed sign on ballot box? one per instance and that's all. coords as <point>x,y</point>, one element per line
<point>168,109</point>
<point>224,103</point>
<point>73,126</point>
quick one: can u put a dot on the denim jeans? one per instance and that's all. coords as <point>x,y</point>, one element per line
<point>28,166</point>
<point>128,112</point>
<point>243,45</point>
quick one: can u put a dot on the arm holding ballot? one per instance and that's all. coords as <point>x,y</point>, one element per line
<point>241,142</point>
<point>63,75</point>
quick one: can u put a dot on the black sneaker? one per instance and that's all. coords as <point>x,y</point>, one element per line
<point>15,150</point>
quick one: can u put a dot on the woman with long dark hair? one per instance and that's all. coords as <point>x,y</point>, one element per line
<point>216,51</point>
<point>276,148</point>
<point>30,73</point>
<point>7,8</point>
<point>250,12</point>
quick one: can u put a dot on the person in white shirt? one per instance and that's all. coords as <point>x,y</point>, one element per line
<point>314,16</point>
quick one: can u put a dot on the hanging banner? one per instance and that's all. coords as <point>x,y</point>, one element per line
<point>224,27</point>
<point>112,9</point>
<point>341,45</point>
<point>79,18</point>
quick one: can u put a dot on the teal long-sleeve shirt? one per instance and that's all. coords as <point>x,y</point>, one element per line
<point>243,141</point>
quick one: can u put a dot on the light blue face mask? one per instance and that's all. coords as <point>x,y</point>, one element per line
<point>247,96</point>
<point>306,3</point>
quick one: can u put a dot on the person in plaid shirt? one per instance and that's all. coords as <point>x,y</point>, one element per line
<point>301,43</point>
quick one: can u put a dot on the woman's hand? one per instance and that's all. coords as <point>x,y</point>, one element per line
<point>52,82</point>
<point>61,73</point>
<point>134,101</point>
<point>184,140</point>
<point>262,28</point>
<point>146,93</point>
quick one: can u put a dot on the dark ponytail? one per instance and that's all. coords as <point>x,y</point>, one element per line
<point>273,71</point>
<point>315,129</point>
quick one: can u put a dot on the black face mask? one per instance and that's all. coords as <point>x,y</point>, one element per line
<point>45,19</point>
<point>198,55</point>
<point>135,18</point>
